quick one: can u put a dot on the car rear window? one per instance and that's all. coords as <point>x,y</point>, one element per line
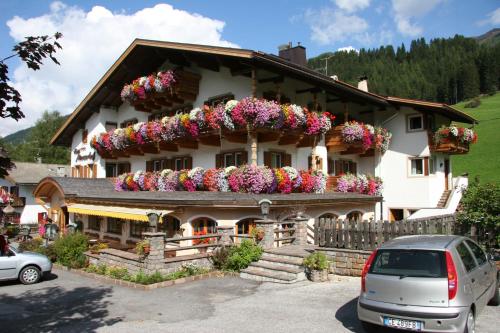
<point>410,263</point>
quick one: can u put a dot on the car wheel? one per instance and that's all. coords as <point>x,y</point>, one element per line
<point>470,325</point>
<point>495,301</point>
<point>369,327</point>
<point>30,275</point>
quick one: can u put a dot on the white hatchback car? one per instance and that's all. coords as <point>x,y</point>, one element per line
<point>28,267</point>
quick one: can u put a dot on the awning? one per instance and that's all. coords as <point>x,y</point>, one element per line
<point>136,214</point>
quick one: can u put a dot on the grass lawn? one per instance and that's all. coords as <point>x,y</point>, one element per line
<point>483,159</point>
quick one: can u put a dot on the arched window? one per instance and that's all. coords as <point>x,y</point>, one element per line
<point>329,216</point>
<point>355,216</point>
<point>204,225</point>
<point>245,226</point>
<point>171,226</point>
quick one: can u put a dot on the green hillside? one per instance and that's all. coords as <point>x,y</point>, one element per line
<point>483,159</point>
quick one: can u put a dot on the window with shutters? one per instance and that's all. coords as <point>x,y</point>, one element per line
<point>186,108</point>
<point>216,100</point>
<point>341,167</point>
<point>176,163</point>
<point>116,169</point>
<point>277,159</point>
<point>128,122</point>
<point>417,166</point>
<point>231,158</point>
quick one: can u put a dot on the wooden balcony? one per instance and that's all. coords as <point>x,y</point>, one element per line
<point>451,146</point>
<point>334,143</point>
<point>185,89</point>
<point>331,183</point>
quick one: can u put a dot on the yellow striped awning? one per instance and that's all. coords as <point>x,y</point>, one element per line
<point>136,214</point>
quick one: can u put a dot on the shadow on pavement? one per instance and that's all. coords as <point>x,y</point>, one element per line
<point>347,315</point>
<point>55,309</point>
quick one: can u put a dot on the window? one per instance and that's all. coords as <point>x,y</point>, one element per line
<point>417,166</point>
<point>115,226</point>
<point>110,170</point>
<point>85,135</point>
<point>183,162</point>
<point>116,169</point>
<point>110,126</point>
<point>186,108</point>
<point>244,227</point>
<point>14,190</point>
<point>231,158</point>
<point>478,252</point>
<point>341,167</point>
<point>128,122</point>
<point>396,214</point>
<point>277,159</point>
<point>95,223</point>
<point>415,123</point>
<point>216,100</point>
<point>204,224</point>
<point>411,263</point>
<point>137,228</point>
<point>466,257</point>
<point>170,226</point>
<point>355,216</point>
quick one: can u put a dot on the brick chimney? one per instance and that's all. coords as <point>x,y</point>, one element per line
<point>363,83</point>
<point>295,54</point>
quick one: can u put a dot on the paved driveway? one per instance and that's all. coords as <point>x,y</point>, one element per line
<point>72,303</point>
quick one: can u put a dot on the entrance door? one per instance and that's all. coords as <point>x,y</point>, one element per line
<point>446,174</point>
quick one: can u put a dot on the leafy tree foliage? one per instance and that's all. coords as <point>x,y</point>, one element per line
<point>32,51</point>
<point>37,143</point>
<point>481,208</point>
<point>444,70</point>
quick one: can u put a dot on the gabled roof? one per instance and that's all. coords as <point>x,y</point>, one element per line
<point>145,56</point>
<point>31,173</point>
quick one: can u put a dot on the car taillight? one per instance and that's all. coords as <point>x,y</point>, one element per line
<point>365,270</point>
<point>452,276</point>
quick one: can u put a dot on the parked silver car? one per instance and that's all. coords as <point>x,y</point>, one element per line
<point>28,267</point>
<point>427,283</point>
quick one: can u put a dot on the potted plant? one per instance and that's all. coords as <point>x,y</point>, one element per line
<point>142,248</point>
<point>257,234</point>
<point>316,267</point>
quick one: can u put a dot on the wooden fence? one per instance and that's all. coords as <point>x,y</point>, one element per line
<point>368,235</point>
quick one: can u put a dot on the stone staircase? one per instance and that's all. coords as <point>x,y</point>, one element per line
<point>444,199</point>
<point>279,265</point>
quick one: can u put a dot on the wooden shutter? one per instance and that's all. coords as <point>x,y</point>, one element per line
<point>244,157</point>
<point>426,166</point>
<point>267,158</point>
<point>353,166</point>
<point>188,162</point>
<point>85,134</point>
<point>287,160</point>
<point>219,161</point>
<point>126,167</point>
<point>73,172</point>
<point>80,171</point>
<point>94,170</point>
<point>338,168</point>
<point>330,166</point>
<point>149,165</point>
<point>319,164</point>
<point>309,162</point>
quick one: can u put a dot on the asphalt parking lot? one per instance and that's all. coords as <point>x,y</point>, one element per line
<point>72,303</point>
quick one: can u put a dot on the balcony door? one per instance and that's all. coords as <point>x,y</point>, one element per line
<point>446,174</point>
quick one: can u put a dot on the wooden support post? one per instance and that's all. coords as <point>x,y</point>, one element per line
<point>253,147</point>
<point>314,157</point>
<point>346,113</point>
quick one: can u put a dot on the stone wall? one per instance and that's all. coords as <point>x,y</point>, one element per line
<point>346,262</point>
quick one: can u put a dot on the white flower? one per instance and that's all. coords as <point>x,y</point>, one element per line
<point>166,172</point>
<point>165,119</point>
<point>454,130</point>
<point>194,171</point>
<point>229,169</point>
<point>137,174</point>
<point>370,128</point>
<point>230,105</point>
<point>292,172</point>
<point>138,126</point>
<point>142,80</point>
<point>118,131</point>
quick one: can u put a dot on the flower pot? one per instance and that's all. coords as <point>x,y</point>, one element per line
<point>259,236</point>
<point>318,275</point>
<point>147,248</point>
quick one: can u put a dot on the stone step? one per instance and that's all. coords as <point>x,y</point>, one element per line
<point>287,262</point>
<point>277,267</point>
<point>256,274</point>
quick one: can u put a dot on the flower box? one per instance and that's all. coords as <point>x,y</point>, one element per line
<point>317,275</point>
<point>452,140</point>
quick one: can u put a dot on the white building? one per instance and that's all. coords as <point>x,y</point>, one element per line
<point>415,172</point>
<point>20,184</point>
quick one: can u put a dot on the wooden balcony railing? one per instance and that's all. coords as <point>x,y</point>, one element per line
<point>452,146</point>
<point>334,143</point>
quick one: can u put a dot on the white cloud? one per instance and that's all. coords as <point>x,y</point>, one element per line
<point>348,49</point>
<point>92,41</point>
<point>330,26</point>
<point>351,6</point>
<point>493,18</point>
<point>406,11</point>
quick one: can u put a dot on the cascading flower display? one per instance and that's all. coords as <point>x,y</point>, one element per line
<point>464,135</point>
<point>360,184</point>
<point>243,179</point>
<point>140,87</point>
<point>353,132</point>
<point>249,112</point>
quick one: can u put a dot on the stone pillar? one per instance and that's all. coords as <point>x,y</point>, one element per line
<point>268,227</point>
<point>226,232</point>
<point>154,259</point>
<point>300,231</point>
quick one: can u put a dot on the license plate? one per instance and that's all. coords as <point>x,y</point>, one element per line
<point>403,323</point>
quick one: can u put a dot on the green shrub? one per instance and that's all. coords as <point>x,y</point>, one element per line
<point>31,245</point>
<point>241,256</point>
<point>118,273</point>
<point>316,261</point>
<point>220,256</point>
<point>70,250</point>
<point>49,251</point>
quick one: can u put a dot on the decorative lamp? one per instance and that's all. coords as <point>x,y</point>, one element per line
<point>265,204</point>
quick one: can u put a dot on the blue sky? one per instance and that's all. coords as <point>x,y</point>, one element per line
<point>96,32</point>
